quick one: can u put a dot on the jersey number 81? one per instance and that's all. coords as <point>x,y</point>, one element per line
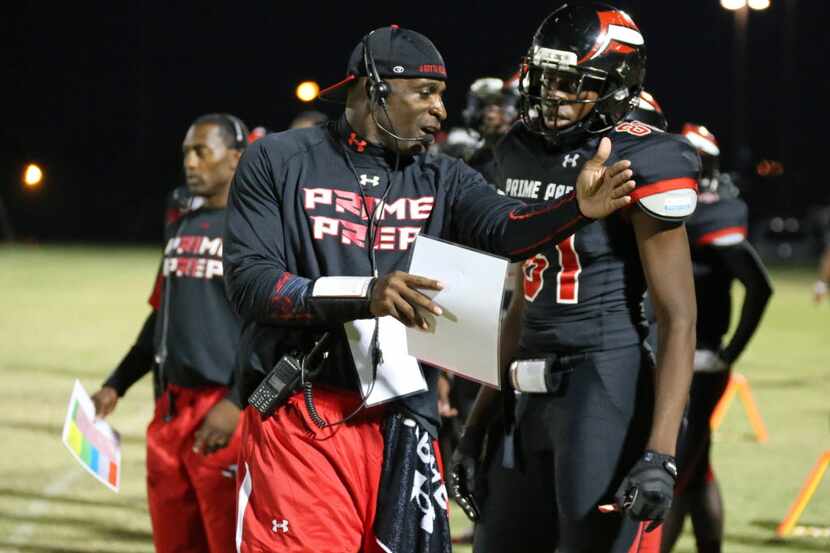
<point>567,279</point>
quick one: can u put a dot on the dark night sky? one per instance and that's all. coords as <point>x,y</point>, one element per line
<point>101,94</point>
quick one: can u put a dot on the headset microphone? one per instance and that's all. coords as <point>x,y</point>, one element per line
<point>426,140</point>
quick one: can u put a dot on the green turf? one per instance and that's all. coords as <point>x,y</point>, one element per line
<point>71,312</point>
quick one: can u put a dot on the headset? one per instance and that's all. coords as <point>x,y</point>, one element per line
<point>378,91</point>
<point>240,133</point>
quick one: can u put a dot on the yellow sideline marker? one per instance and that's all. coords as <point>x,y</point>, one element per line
<point>804,496</point>
<point>738,384</point>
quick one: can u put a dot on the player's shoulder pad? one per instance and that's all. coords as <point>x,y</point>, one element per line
<point>720,223</point>
<point>666,168</point>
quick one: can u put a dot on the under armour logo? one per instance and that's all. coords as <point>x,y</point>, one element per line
<point>275,526</point>
<point>570,160</point>
<point>356,143</point>
<point>366,180</point>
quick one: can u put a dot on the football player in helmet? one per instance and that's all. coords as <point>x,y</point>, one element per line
<point>720,256</point>
<point>491,107</point>
<point>648,111</point>
<point>491,110</point>
<point>587,460</point>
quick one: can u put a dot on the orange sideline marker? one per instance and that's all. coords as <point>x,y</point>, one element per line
<point>804,496</point>
<point>738,384</point>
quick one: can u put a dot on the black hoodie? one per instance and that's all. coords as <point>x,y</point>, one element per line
<point>295,214</point>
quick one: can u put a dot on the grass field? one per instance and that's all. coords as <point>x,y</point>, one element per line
<point>71,312</point>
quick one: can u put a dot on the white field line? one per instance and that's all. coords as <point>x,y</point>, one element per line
<point>36,508</point>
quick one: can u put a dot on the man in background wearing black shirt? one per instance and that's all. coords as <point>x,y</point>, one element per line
<point>190,341</point>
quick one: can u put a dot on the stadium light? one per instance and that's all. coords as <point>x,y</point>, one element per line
<point>758,4</point>
<point>732,4</point>
<point>307,91</point>
<point>32,176</point>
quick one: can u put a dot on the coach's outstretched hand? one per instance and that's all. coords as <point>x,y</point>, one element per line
<point>105,401</point>
<point>217,429</point>
<point>396,294</point>
<point>646,492</point>
<point>602,190</point>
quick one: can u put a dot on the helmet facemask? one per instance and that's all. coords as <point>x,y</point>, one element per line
<point>551,79</point>
<point>583,47</point>
<point>709,172</point>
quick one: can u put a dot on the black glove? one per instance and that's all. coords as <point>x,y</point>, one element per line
<point>464,466</point>
<point>646,492</point>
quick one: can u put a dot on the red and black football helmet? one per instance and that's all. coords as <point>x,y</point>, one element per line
<point>589,47</point>
<point>648,111</point>
<point>707,146</point>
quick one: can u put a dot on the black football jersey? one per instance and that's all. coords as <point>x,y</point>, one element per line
<point>716,223</point>
<point>483,161</point>
<point>585,293</point>
<point>202,329</point>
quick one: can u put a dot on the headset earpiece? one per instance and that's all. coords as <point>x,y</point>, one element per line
<point>239,133</point>
<point>376,88</point>
<point>378,92</point>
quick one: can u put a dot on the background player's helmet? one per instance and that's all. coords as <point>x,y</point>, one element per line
<point>490,93</point>
<point>459,142</point>
<point>586,47</point>
<point>649,112</point>
<point>256,133</point>
<point>707,146</point>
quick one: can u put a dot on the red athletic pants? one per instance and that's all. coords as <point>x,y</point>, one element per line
<point>647,542</point>
<point>192,497</point>
<point>306,489</point>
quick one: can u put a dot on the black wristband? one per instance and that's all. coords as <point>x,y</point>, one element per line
<point>666,462</point>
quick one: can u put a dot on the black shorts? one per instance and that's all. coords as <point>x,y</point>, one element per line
<point>572,451</point>
<point>695,442</point>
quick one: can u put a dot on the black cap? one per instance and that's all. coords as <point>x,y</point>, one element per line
<point>398,54</point>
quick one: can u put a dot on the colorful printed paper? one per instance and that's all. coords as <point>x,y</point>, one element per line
<point>94,443</point>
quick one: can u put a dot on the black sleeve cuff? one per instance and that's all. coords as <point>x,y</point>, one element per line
<point>135,364</point>
<point>235,394</point>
